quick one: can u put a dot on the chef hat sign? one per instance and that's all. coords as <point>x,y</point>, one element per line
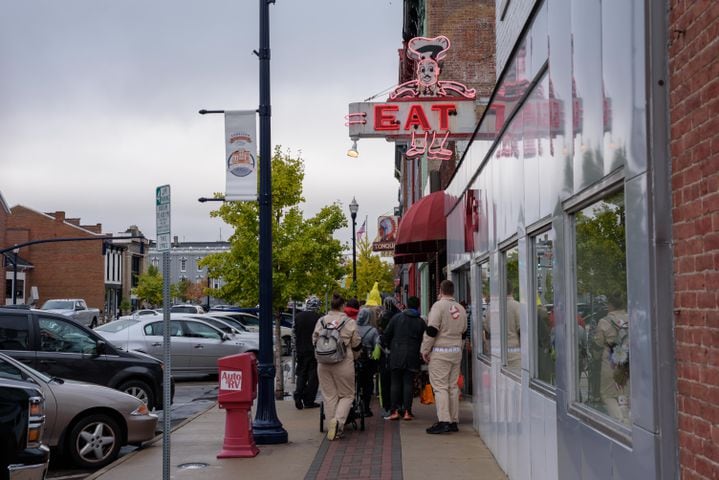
<point>422,47</point>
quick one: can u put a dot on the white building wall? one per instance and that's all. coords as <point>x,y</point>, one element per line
<point>512,15</point>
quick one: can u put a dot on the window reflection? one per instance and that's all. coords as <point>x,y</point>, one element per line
<point>485,347</point>
<point>513,359</point>
<point>601,299</point>
<point>544,296</point>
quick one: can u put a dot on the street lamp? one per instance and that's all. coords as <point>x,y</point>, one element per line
<point>353,212</point>
<point>14,275</point>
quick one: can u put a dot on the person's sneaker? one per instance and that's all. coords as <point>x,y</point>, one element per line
<point>340,434</point>
<point>453,427</point>
<point>439,427</point>
<point>408,415</point>
<point>298,404</point>
<point>393,416</point>
<point>312,405</point>
<point>332,429</point>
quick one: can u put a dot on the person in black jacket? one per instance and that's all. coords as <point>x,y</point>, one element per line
<point>390,308</point>
<point>403,336</point>
<point>307,382</point>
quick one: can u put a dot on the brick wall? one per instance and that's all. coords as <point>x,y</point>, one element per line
<point>62,269</point>
<point>694,116</point>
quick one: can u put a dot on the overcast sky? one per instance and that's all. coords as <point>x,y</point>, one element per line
<point>99,101</point>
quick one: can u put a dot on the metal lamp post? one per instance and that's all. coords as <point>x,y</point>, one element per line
<point>14,275</point>
<point>353,212</point>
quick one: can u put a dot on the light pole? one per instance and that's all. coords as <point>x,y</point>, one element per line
<point>14,275</point>
<point>353,212</point>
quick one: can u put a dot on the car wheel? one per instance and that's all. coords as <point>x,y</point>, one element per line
<point>94,441</point>
<point>139,390</point>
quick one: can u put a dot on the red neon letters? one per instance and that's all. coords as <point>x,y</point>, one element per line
<point>385,117</point>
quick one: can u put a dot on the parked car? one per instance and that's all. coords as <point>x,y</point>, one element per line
<point>252,323</point>
<point>195,346</point>
<point>231,327</point>
<point>60,347</point>
<point>142,313</point>
<point>22,453</point>
<point>186,309</point>
<point>87,422</point>
<point>74,308</point>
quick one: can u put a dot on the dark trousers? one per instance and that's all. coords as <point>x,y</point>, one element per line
<point>365,379</point>
<point>385,381</point>
<point>402,389</point>
<point>307,382</point>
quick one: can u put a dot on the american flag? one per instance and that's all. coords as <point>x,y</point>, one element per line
<point>362,229</point>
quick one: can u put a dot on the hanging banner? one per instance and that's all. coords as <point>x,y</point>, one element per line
<point>386,233</point>
<point>240,156</point>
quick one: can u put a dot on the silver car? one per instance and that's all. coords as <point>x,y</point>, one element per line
<point>87,422</point>
<point>252,324</point>
<point>195,345</point>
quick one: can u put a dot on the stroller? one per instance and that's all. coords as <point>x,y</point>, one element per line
<point>357,411</point>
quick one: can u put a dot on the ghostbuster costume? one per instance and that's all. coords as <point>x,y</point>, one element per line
<point>442,343</point>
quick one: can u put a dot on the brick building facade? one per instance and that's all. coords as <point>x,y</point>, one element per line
<point>62,269</point>
<point>694,115</point>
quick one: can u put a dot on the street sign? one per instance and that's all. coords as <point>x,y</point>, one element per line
<point>162,217</point>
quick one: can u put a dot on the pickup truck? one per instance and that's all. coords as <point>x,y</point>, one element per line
<point>74,308</point>
<point>22,418</point>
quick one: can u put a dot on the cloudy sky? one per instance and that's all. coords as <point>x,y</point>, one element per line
<point>99,101</point>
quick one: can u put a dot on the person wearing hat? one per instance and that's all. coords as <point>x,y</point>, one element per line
<point>307,383</point>
<point>374,304</point>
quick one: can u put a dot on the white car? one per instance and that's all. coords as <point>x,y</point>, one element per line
<point>252,323</point>
<point>195,345</point>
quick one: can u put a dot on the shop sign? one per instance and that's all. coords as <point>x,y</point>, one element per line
<point>425,112</point>
<point>386,233</point>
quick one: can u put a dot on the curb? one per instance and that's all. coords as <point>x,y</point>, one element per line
<point>157,438</point>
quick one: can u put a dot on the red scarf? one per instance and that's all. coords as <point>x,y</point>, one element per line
<point>351,312</point>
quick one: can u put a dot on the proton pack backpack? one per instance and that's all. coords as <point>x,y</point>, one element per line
<point>329,347</point>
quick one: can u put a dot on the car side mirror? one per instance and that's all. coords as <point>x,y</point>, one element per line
<point>225,337</point>
<point>101,347</point>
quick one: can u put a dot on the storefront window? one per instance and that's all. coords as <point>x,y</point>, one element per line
<point>511,309</point>
<point>542,247</point>
<point>484,348</point>
<point>602,322</point>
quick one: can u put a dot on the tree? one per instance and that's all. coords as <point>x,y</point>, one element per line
<point>149,286</point>
<point>306,259</point>
<point>371,268</point>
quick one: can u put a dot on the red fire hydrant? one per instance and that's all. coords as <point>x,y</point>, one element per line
<point>238,390</point>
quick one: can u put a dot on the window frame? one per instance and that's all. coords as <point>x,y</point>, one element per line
<point>504,247</point>
<point>535,383</point>
<point>481,355</point>
<point>609,185</point>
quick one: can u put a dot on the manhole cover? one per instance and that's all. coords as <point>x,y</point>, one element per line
<point>192,466</point>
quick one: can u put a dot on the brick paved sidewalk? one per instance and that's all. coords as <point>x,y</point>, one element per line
<point>375,453</point>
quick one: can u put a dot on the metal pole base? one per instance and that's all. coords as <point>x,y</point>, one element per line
<point>269,434</point>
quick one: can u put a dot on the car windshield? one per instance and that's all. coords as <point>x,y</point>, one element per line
<point>116,326</point>
<point>250,320</point>
<point>59,305</point>
<point>235,323</point>
<point>217,323</point>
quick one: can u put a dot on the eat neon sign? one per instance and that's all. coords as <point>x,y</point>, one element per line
<point>385,117</point>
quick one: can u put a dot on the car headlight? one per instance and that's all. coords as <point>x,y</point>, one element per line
<point>141,410</point>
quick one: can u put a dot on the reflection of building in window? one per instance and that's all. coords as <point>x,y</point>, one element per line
<point>183,264</point>
<point>543,297</point>
<point>485,349</point>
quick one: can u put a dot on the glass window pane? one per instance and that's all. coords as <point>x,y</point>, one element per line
<point>543,245</point>
<point>602,322</point>
<point>14,332</point>
<point>485,347</point>
<point>60,336</point>
<point>511,310</point>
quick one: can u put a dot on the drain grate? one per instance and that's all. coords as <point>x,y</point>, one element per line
<point>192,466</point>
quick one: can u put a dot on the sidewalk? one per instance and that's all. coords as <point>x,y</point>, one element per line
<point>385,450</point>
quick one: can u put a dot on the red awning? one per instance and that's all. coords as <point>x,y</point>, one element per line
<point>423,228</point>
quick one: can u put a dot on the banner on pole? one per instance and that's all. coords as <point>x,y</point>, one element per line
<point>240,156</point>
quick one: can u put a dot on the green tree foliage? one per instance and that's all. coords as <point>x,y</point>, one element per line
<point>306,259</point>
<point>149,286</point>
<point>370,269</point>
<point>601,248</point>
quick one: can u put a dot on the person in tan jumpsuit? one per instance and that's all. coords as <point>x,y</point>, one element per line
<point>514,357</point>
<point>337,380</point>
<point>442,350</point>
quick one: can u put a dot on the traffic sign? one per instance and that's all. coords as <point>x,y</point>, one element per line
<point>162,217</point>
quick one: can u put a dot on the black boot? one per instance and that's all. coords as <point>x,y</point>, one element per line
<point>453,427</point>
<point>439,427</point>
